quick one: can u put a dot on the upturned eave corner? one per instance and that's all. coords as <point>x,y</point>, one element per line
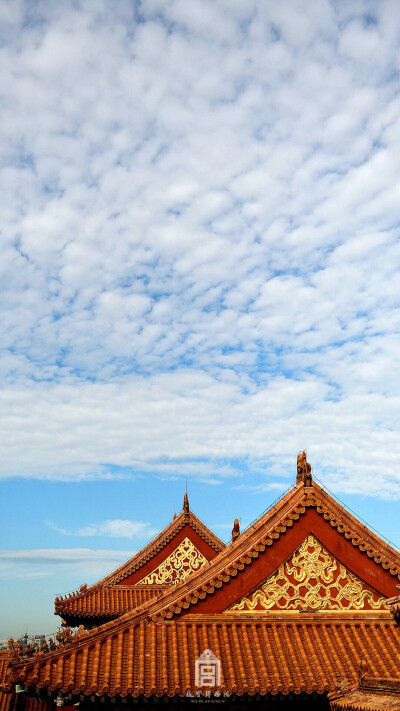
<point>88,602</point>
<point>195,610</point>
<point>267,531</point>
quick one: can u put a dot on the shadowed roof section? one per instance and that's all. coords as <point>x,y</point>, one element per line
<point>5,699</point>
<point>372,694</point>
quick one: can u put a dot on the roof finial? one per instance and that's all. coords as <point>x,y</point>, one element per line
<point>235,529</point>
<point>303,469</point>
<point>186,501</point>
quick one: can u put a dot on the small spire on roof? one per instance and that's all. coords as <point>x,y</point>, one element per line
<point>235,529</point>
<point>186,502</point>
<point>303,469</point>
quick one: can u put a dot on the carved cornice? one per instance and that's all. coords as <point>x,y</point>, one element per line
<point>254,541</point>
<point>166,536</point>
<point>310,497</point>
<point>186,517</point>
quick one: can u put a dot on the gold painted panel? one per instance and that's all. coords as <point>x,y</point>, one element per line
<point>312,579</point>
<point>185,559</point>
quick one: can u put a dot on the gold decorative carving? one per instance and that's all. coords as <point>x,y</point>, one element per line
<point>185,559</point>
<point>311,580</point>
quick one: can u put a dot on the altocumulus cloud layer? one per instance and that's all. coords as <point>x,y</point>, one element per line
<point>43,562</point>
<point>200,252</point>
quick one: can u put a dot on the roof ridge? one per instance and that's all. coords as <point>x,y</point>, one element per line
<point>151,549</point>
<point>248,546</point>
<point>139,612</point>
<point>365,531</point>
<point>242,551</point>
<point>143,612</point>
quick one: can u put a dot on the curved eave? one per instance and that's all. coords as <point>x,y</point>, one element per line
<point>142,557</point>
<point>262,655</point>
<point>108,603</point>
<point>254,541</point>
<point>263,534</point>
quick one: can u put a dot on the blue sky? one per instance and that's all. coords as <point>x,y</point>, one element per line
<point>199,272</point>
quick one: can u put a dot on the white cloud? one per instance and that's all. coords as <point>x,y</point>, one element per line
<point>46,562</point>
<point>116,528</point>
<point>200,244</point>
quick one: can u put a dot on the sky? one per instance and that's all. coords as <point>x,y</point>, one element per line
<point>199,273</point>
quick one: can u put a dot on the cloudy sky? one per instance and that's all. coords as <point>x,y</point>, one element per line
<point>199,271</point>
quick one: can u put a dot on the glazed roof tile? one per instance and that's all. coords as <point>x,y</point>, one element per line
<point>373,694</point>
<point>262,534</point>
<point>184,518</point>
<point>367,701</point>
<point>108,602</point>
<point>253,541</point>
<point>273,654</point>
<point>89,602</point>
<point>5,699</point>
<point>142,653</point>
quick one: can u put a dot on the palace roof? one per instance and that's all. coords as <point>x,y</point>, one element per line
<point>145,575</point>
<point>293,604</point>
<point>276,533</point>
<point>106,602</point>
<point>264,654</point>
<point>372,694</point>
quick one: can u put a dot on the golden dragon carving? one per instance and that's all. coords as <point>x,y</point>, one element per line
<point>185,559</point>
<point>311,580</point>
